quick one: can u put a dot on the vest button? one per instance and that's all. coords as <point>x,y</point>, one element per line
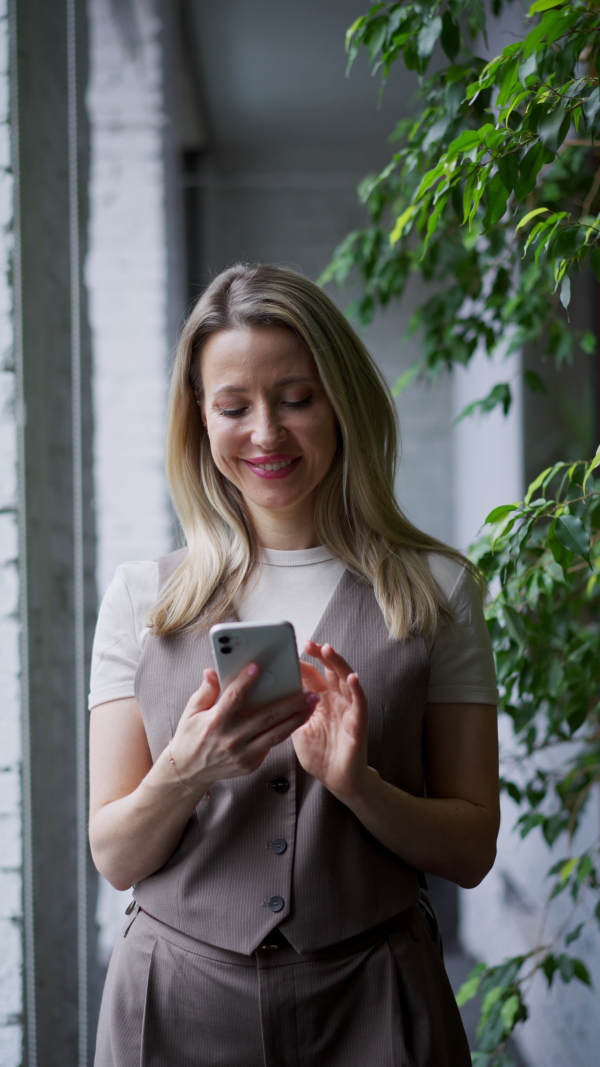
<point>280,785</point>
<point>275,903</point>
<point>279,845</point>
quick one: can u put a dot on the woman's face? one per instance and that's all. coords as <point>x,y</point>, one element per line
<point>271,428</point>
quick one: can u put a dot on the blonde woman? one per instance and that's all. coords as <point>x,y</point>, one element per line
<point>275,854</point>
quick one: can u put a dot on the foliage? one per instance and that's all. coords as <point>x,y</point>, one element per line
<point>492,198</point>
<point>492,191</point>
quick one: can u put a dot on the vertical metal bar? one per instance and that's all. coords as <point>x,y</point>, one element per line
<point>29,967</point>
<point>78,534</point>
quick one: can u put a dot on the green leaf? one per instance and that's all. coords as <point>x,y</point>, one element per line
<point>529,169</point>
<point>592,105</point>
<point>500,513</point>
<point>565,291</point>
<point>500,395</point>
<point>508,1011</point>
<point>535,383</point>
<point>450,35</point>
<point>592,467</point>
<point>428,37</point>
<point>553,128</point>
<point>581,972</point>
<point>470,987</point>
<point>401,222</point>
<point>574,934</point>
<point>588,342</point>
<point>515,625</point>
<point>497,196</point>
<point>571,533</point>
<point>464,142</point>
<point>543,5</point>
<point>508,169</point>
<point>405,379</point>
<point>529,216</point>
<point>536,483</point>
<point>509,80</point>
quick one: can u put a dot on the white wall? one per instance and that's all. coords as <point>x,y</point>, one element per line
<point>11,1006</point>
<point>127,276</point>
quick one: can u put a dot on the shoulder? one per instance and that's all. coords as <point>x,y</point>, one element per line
<point>133,591</point>
<point>453,578</point>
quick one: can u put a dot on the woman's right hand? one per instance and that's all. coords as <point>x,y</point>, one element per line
<point>219,737</point>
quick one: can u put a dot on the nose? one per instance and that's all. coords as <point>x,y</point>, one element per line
<point>267,430</point>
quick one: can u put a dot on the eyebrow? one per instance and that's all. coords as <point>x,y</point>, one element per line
<point>242,389</point>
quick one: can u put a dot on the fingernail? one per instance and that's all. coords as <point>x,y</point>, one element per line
<point>311,700</point>
<point>252,670</point>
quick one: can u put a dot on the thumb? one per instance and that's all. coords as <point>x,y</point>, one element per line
<point>208,693</point>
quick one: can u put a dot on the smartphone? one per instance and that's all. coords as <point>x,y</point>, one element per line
<point>272,645</point>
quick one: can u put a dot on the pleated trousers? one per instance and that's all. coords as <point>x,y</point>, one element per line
<point>173,1001</point>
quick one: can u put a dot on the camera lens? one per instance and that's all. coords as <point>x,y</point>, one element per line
<point>223,640</point>
<point>226,650</point>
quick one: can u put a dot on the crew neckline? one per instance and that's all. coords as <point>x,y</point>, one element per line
<point>302,557</point>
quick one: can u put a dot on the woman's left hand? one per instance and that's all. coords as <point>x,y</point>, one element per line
<point>332,745</point>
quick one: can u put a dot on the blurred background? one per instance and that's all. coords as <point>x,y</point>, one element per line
<point>144,146</point>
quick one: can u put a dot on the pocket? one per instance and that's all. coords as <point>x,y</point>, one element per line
<point>123,1008</point>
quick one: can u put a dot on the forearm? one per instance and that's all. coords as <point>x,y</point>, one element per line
<point>133,837</point>
<point>452,838</point>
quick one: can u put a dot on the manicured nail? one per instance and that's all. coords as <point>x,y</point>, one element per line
<point>252,670</point>
<point>311,700</point>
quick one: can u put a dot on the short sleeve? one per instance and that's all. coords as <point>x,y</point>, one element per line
<point>461,660</point>
<point>121,630</point>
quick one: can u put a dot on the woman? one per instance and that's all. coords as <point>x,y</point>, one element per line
<point>275,853</point>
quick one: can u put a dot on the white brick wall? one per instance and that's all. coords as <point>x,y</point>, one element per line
<point>126,273</point>
<point>11,1005</point>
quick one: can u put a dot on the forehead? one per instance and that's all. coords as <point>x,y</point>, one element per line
<point>252,355</point>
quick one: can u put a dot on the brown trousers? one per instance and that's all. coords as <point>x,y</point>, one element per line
<point>173,1001</point>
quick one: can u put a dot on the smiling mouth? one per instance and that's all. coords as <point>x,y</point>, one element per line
<point>273,465</point>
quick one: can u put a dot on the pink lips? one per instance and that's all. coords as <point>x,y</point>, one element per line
<point>277,458</point>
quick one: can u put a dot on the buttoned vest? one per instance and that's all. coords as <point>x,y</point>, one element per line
<point>275,848</point>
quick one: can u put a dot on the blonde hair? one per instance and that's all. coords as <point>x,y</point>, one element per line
<point>356,514</point>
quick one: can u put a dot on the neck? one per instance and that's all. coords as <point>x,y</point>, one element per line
<point>287,533</point>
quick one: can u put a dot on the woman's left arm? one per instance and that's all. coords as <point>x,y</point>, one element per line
<point>452,831</point>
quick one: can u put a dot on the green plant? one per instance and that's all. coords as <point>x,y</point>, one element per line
<point>492,195</point>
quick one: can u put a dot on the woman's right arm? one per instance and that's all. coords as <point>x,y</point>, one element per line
<point>138,810</point>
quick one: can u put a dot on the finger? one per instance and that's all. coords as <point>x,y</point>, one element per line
<point>234,695</point>
<point>333,661</point>
<point>312,678</point>
<point>274,735</point>
<point>273,715</point>
<point>207,695</point>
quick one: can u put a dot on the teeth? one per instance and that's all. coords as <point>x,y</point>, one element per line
<point>274,466</point>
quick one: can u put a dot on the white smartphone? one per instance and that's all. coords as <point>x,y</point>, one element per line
<point>272,645</point>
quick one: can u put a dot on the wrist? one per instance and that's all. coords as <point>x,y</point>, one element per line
<point>171,783</point>
<point>362,788</point>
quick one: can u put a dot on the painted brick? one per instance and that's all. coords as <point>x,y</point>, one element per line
<point>9,539</point>
<point>10,895</point>
<point>9,792</point>
<point>11,1045</point>
<point>11,962</point>
<point>10,841</point>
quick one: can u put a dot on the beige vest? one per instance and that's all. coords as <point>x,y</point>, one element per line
<point>275,848</point>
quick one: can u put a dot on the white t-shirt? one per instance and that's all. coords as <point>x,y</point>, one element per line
<point>297,586</point>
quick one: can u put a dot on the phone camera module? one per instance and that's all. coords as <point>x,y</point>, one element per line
<point>225,649</point>
<point>224,640</point>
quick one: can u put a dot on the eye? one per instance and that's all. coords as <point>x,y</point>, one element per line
<point>233,413</point>
<point>299,403</point>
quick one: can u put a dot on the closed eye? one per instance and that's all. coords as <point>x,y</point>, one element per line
<point>236,413</point>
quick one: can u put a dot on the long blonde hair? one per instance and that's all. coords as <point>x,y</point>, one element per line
<point>356,514</point>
